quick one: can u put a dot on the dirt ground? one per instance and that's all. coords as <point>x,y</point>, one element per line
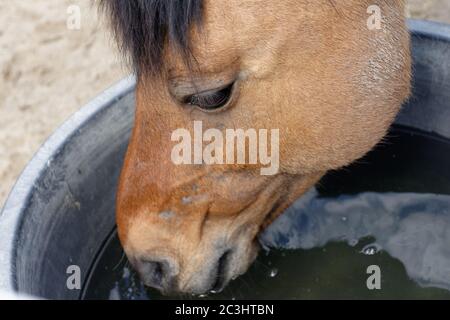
<point>49,71</point>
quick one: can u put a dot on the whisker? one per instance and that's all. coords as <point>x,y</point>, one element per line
<point>120,261</point>
<point>246,283</point>
<point>262,264</point>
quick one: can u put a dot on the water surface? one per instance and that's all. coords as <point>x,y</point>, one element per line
<point>390,209</point>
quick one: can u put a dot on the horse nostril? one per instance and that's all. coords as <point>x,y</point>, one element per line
<point>157,274</point>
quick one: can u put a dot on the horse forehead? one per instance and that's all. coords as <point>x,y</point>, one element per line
<point>233,23</point>
<point>256,33</point>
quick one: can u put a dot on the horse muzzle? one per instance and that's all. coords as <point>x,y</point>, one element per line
<point>170,276</point>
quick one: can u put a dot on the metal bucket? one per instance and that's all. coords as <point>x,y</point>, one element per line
<point>61,209</point>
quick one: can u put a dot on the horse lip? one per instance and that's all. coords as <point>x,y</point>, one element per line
<point>220,280</point>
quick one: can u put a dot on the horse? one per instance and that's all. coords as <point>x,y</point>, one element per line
<point>314,70</point>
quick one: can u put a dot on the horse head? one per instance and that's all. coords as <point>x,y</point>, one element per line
<point>312,70</point>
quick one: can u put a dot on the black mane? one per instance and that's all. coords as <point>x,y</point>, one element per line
<point>144,27</point>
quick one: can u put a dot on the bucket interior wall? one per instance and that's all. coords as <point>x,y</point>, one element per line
<point>71,211</point>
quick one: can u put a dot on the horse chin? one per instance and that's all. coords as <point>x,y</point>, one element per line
<point>232,264</point>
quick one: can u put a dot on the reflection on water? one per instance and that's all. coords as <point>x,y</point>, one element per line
<point>414,228</point>
<point>392,210</point>
<point>323,247</point>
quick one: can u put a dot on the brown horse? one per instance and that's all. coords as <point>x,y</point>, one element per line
<point>315,70</point>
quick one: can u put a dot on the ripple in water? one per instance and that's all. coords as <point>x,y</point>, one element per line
<point>413,228</point>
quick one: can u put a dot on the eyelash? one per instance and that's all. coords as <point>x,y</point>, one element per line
<point>211,100</point>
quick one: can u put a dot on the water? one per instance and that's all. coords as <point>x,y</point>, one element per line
<point>390,209</point>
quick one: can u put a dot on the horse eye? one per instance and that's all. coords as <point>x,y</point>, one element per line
<point>210,100</point>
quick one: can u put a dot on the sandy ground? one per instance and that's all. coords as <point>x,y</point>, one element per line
<point>48,71</point>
